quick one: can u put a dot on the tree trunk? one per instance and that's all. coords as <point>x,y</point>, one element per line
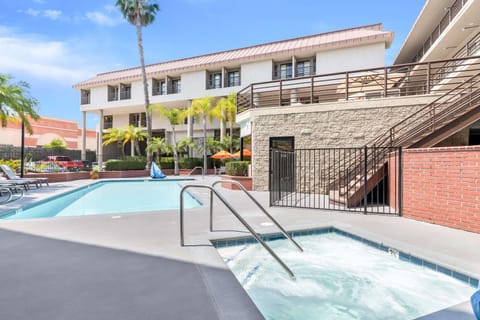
<point>148,117</point>
<point>132,148</point>
<point>231,139</point>
<point>175,153</point>
<point>205,143</point>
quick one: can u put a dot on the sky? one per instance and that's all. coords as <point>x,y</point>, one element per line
<point>53,44</point>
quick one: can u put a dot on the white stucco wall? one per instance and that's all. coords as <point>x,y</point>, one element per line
<point>256,72</point>
<point>346,59</point>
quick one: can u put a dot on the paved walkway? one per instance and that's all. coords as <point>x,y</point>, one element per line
<point>132,266</point>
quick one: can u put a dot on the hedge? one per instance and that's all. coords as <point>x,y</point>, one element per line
<point>12,163</point>
<point>188,163</point>
<point>117,165</point>
<point>237,168</point>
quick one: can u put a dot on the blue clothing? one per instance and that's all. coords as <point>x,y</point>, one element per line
<point>475,300</point>
<point>156,172</point>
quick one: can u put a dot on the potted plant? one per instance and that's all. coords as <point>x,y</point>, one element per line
<point>95,172</point>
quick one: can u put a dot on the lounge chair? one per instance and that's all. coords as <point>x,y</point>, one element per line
<point>10,192</point>
<point>10,174</point>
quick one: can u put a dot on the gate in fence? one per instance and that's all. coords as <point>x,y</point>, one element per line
<point>365,180</point>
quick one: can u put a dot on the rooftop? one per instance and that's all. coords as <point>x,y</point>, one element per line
<point>318,42</point>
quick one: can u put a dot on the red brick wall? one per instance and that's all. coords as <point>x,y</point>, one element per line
<point>442,186</point>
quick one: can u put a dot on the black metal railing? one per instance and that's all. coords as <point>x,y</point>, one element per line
<point>434,77</point>
<point>363,179</point>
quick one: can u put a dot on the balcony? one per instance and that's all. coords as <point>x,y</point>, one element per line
<point>434,77</point>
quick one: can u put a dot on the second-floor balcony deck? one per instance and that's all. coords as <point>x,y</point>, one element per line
<point>434,77</point>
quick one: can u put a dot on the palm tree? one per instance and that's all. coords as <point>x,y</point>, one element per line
<point>134,135</point>
<point>140,14</point>
<point>15,102</point>
<point>204,109</point>
<point>115,135</point>
<point>228,106</point>
<point>184,145</point>
<point>175,116</point>
<point>158,146</point>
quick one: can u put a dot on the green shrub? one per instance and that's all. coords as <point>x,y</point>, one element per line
<point>190,163</point>
<point>167,163</point>
<point>237,168</point>
<point>117,165</point>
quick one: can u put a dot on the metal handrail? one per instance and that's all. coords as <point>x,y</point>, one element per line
<point>284,232</point>
<point>195,168</point>
<point>237,215</point>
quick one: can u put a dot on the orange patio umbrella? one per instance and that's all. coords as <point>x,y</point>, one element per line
<point>246,154</point>
<point>222,155</point>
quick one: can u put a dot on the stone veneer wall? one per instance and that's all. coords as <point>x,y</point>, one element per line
<point>342,124</point>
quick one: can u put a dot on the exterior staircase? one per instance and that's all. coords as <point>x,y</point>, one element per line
<point>446,115</point>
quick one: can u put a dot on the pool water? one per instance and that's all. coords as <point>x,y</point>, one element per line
<point>338,277</point>
<point>110,197</point>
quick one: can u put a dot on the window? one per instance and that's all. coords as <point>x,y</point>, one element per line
<point>305,68</point>
<point>137,119</point>
<point>125,91</point>
<point>107,122</point>
<point>84,96</point>
<point>233,78</point>
<point>159,87</point>
<point>282,71</point>
<point>176,86</point>
<point>185,121</point>
<point>214,80</point>
<point>112,93</point>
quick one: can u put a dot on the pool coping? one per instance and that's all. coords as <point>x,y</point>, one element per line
<point>20,209</point>
<point>470,280</point>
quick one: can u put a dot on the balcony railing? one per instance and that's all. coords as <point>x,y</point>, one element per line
<point>452,11</point>
<point>434,77</point>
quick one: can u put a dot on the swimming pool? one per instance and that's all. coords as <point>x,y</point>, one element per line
<point>109,197</point>
<point>341,276</point>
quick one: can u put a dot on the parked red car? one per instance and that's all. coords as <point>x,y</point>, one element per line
<point>65,162</point>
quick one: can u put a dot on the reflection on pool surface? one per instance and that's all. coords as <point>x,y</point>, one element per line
<point>110,197</point>
<point>338,277</point>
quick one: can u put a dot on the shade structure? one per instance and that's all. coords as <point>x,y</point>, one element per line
<point>222,155</point>
<point>370,81</point>
<point>246,154</point>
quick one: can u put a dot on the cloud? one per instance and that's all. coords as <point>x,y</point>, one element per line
<point>44,60</point>
<point>39,1</point>
<point>32,12</point>
<point>52,14</point>
<point>102,19</point>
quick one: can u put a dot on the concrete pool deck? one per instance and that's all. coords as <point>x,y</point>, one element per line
<point>132,266</point>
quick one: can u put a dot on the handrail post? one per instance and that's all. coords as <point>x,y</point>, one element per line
<point>385,82</point>
<point>346,86</point>
<point>241,187</point>
<point>280,95</point>
<point>211,211</point>
<point>365,179</point>
<point>251,97</point>
<point>311,89</point>
<point>429,67</point>
<point>237,215</point>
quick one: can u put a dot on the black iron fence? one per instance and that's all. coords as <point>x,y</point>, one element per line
<point>9,152</point>
<point>366,179</point>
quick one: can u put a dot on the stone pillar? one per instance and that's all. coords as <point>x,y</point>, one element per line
<point>84,136</point>
<point>100,141</point>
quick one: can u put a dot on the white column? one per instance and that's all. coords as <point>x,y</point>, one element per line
<point>100,141</point>
<point>84,135</point>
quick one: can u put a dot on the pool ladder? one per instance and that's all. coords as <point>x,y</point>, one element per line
<point>237,215</point>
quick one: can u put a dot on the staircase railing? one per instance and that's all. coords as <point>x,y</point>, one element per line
<point>440,112</point>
